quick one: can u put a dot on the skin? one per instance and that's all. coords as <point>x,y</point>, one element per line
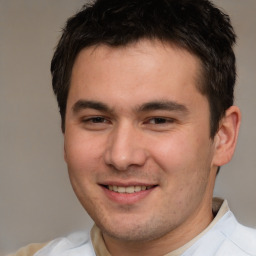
<point>135,117</point>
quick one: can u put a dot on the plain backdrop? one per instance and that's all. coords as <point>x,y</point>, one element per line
<point>36,200</point>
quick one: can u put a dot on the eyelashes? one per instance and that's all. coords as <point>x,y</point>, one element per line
<point>160,120</point>
<point>151,123</point>
<point>95,120</point>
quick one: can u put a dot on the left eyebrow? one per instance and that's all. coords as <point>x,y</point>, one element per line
<point>163,105</point>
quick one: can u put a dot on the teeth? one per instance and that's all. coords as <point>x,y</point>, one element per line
<point>121,189</point>
<point>128,190</point>
<point>137,188</point>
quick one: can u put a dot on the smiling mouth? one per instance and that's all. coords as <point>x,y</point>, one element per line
<point>128,190</point>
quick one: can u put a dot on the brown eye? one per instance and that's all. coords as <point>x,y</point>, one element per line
<point>95,123</point>
<point>160,120</point>
<point>98,119</point>
<point>95,120</point>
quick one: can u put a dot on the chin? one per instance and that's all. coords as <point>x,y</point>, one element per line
<point>135,231</point>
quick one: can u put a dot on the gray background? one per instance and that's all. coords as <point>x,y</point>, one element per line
<point>36,201</point>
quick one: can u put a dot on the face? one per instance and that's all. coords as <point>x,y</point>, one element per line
<point>137,140</point>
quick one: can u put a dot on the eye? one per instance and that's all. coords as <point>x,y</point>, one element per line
<point>95,120</point>
<point>160,120</point>
<point>95,123</point>
<point>160,124</point>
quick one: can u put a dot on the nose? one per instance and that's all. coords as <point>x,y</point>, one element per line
<point>125,148</point>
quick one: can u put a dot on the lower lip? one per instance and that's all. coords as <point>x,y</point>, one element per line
<point>127,198</point>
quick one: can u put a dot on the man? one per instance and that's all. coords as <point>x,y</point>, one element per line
<point>145,92</point>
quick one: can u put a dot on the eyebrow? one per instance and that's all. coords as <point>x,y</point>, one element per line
<point>163,105</point>
<point>84,104</point>
<point>148,106</point>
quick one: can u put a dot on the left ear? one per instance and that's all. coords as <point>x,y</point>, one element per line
<point>226,137</point>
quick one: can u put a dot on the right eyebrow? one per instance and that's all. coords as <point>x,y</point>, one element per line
<point>85,104</point>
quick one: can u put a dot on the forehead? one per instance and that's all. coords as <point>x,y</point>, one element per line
<point>151,48</point>
<point>145,68</point>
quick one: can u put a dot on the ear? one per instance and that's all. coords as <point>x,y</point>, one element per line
<point>226,137</point>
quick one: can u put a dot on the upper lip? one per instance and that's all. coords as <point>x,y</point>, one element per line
<point>127,184</point>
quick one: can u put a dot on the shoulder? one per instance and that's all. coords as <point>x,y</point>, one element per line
<point>244,239</point>
<point>28,250</point>
<point>226,238</point>
<point>238,239</point>
<point>75,244</point>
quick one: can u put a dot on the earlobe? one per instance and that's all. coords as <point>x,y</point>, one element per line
<point>226,137</point>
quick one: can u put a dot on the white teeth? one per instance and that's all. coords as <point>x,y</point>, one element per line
<point>121,189</point>
<point>137,188</point>
<point>128,190</point>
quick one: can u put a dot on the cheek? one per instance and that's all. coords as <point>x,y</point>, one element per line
<point>82,158</point>
<point>83,154</point>
<point>172,152</point>
<point>184,159</point>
